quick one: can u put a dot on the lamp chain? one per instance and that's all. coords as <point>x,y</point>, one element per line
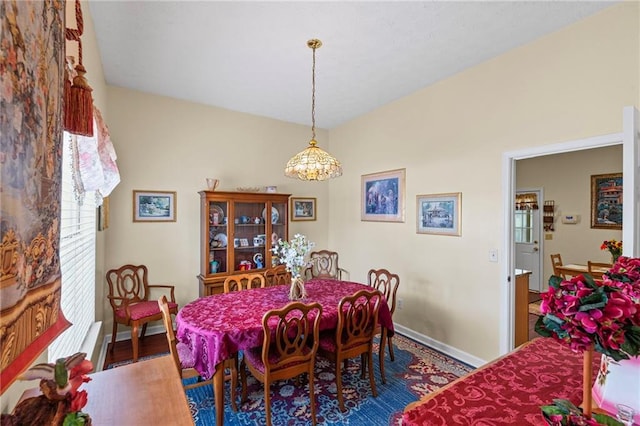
<point>313,96</point>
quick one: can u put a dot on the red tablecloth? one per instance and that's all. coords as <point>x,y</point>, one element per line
<point>508,391</point>
<point>215,327</point>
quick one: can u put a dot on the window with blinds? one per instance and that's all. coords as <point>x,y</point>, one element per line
<point>77,260</point>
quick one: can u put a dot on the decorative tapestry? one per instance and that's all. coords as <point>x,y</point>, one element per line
<point>32,37</point>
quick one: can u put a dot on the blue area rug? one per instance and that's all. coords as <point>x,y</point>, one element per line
<point>129,361</point>
<point>416,371</point>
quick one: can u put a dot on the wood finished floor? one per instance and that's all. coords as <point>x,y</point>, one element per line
<point>150,345</point>
<point>157,343</point>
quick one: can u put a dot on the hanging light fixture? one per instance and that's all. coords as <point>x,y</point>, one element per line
<point>313,163</point>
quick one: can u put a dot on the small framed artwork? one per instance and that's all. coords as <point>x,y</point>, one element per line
<point>103,214</point>
<point>154,206</point>
<point>383,196</point>
<point>439,214</point>
<point>303,208</point>
<point>606,201</point>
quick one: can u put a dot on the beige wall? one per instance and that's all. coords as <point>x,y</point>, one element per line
<point>570,189</point>
<point>169,145</point>
<point>95,77</point>
<point>450,137</point>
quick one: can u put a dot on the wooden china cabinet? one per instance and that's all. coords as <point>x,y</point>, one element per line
<point>237,232</point>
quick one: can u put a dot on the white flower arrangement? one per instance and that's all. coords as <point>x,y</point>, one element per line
<point>292,254</point>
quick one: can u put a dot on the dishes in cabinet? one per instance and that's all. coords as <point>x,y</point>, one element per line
<point>221,239</point>
<point>274,215</point>
<point>214,209</point>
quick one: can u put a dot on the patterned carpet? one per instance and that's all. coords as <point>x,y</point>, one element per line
<point>416,371</point>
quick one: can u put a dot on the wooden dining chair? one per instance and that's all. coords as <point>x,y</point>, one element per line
<point>277,275</point>
<point>289,349</point>
<point>357,321</point>
<point>387,284</point>
<point>323,264</point>
<point>129,293</point>
<point>556,260</point>
<point>595,269</point>
<point>184,361</point>
<point>243,282</point>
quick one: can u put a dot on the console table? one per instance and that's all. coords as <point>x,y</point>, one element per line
<point>507,391</point>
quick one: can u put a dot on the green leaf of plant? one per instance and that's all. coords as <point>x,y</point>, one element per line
<point>603,419</point>
<point>541,329</point>
<point>588,280</point>
<point>554,281</point>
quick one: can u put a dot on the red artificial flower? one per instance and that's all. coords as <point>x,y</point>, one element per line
<point>78,376</point>
<point>589,320</point>
<point>78,401</point>
<point>581,312</point>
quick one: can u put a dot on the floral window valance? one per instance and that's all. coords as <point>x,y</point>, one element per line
<point>528,201</point>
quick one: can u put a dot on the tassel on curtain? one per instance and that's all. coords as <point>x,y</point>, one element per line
<point>78,102</point>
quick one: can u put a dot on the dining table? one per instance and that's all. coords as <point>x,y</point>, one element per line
<point>216,327</point>
<point>573,269</point>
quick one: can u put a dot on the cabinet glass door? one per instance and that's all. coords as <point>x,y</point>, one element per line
<point>278,225</point>
<point>218,240</point>
<point>250,235</point>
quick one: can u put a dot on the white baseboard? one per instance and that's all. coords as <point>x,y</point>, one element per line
<point>442,347</point>
<point>425,340</point>
<point>124,335</point>
<point>89,343</point>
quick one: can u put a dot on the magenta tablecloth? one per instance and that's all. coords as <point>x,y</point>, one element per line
<point>215,327</point>
<point>508,391</point>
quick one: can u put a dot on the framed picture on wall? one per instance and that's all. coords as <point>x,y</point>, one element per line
<point>103,214</point>
<point>439,214</point>
<point>606,201</point>
<point>154,206</point>
<point>303,208</point>
<point>382,196</point>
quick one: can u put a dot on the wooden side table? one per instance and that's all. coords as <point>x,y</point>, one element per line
<point>522,307</point>
<point>145,392</point>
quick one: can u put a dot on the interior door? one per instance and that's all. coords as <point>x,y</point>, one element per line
<point>527,238</point>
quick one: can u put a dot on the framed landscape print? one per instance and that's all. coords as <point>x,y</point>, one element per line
<point>439,214</point>
<point>606,201</point>
<point>154,206</point>
<point>303,208</point>
<point>383,196</point>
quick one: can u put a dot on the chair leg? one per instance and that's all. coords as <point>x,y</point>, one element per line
<point>339,385</point>
<point>312,397</point>
<point>134,341</point>
<point>144,330</point>
<point>383,339</point>
<point>243,379</point>
<point>234,382</point>
<point>363,366</point>
<point>113,335</point>
<point>267,400</point>
<point>390,344</point>
<point>371,380</point>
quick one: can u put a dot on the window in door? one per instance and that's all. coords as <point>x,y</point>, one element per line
<point>523,226</point>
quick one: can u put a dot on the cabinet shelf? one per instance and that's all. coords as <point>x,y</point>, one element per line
<point>232,206</point>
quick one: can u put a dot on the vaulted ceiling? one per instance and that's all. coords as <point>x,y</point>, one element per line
<point>252,56</point>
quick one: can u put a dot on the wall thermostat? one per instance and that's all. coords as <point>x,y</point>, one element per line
<point>570,218</point>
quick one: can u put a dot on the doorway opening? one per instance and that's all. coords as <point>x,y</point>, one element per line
<point>631,208</point>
